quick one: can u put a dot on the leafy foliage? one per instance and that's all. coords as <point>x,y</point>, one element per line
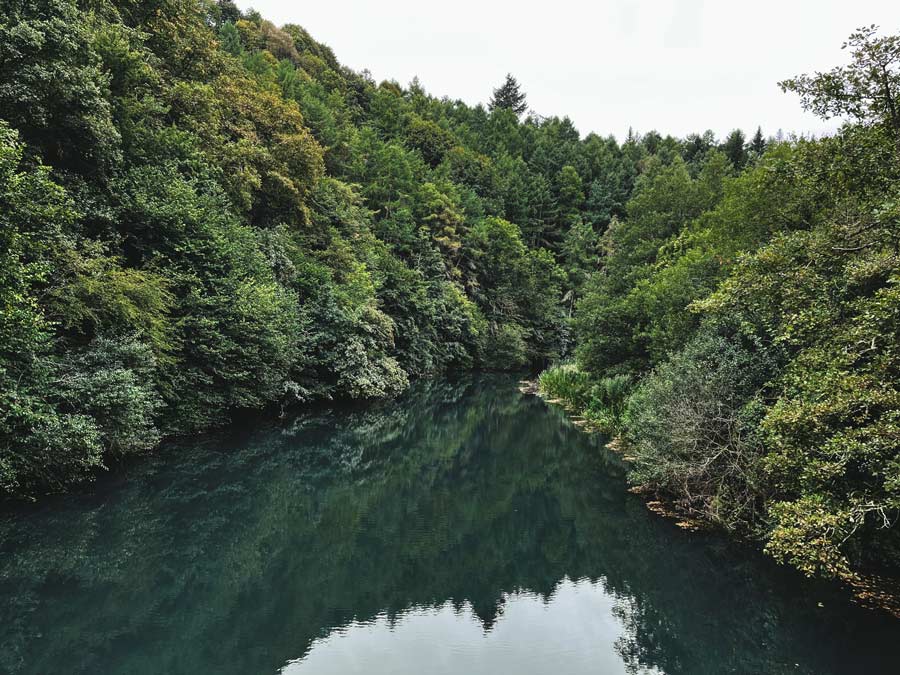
<point>867,89</point>
<point>693,429</point>
<point>202,212</point>
<point>751,294</point>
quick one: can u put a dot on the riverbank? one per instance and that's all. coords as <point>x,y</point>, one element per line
<point>874,591</point>
<point>654,502</point>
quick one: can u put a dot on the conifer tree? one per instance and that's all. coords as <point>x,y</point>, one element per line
<point>509,96</point>
<point>735,149</point>
<point>758,143</point>
<point>231,39</point>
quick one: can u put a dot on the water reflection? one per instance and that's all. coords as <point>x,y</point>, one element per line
<point>397,537</point>
<point>575,627</point>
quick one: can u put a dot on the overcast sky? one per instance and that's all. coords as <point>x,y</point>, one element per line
<point>677,66</point>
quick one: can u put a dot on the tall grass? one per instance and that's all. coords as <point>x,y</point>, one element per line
<point>601,402</point>
<point>568,384</point>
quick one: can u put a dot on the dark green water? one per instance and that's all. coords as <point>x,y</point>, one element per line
<point>464,529</point>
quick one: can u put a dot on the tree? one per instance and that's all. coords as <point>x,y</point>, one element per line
<point>831,429</point>
<point>222,12</point>
<point>758,144</point>
<point>430,139</point>
<point>696,146</point>
<point>518,290</point>
<point>735,149</point>
<point>867,90</point>
<point>622,319</point>
<point>230,39</point>
<point>53,88</point>
<point>693,429</point>
<point>509,96</point>
<point>41,444</point>
<point>581,256</point>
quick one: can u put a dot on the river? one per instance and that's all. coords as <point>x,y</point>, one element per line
<point>465,528</point>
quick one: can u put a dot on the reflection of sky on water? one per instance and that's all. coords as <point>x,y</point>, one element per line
<point>576,626</point>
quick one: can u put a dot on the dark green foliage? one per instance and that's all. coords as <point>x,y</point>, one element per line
<point>43,442</point>
<point>693,429</point>
<point>230,219</point>
<point>517,290</point>
<point>735,149</point>
<point>509,96</point>
<point>829,297</point>
<point>111,382</point>
<point>752,295</point>
<point>201,212</point>
<point>430,139</point>
<point>617,322</point>
<point>696,146</point>
<point>757,144</point>
<point>53,88</point>
<point>230,39</point>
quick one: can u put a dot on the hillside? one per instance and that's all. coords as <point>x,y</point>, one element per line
<point>202,213</point>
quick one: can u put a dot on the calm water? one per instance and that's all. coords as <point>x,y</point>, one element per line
<point>465,529</point>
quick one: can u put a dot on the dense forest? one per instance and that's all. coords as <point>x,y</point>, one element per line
<point>741,336</point>
<point>202,213</point>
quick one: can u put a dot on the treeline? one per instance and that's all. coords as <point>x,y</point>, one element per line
<point>202,213</point>
<point>742,336</point>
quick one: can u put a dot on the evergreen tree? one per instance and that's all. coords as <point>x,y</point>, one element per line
<point>758,143</point>
<point>230,39</point>
<point>735,149</point>
<point>509,96</point>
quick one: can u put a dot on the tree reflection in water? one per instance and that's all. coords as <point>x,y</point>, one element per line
<point>235,554</point>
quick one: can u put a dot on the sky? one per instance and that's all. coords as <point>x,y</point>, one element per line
<point>677,66</point>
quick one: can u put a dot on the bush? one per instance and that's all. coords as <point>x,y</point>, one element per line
<point>601,402</point>
<point>693,429</point>
<point>112,382</point>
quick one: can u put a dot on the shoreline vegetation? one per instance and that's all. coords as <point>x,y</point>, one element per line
<point>742,335</point>
<point>203,214</point>
<point>874,591</point>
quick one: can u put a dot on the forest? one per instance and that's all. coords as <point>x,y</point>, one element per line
<point>204,214</point>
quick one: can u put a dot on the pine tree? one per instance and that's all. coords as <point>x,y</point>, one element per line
<point>758,143</point>
<point>734,148</point>
<point>230,39</point>
<point>509,97</point>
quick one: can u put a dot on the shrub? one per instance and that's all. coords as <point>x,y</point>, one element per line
<point>693,429</point>
<point>601,402</point>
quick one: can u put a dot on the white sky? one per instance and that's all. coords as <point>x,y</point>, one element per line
<point>677,66</point>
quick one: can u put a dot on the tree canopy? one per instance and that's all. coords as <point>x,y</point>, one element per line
<point>203,213</point>
<point>866,90</point>
<point>509,96</point>
<point>740,334</point>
